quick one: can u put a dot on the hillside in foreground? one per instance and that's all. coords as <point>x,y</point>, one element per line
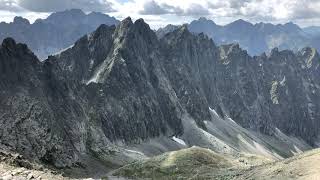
<point>200,163</point>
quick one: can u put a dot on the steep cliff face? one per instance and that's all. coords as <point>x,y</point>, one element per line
<point>277,91</point>
<point>261,93</point>
<point>34,108</point>
<point>120,86</point>
<point>124,82</point>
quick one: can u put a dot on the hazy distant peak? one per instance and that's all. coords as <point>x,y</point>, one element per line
<point>240,22</point>
<point>20,20</point>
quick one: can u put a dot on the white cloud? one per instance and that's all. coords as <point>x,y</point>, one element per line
<point>161,12</point>
<point>10,5</point>
<point>7,16</point>
<point>153,8</point>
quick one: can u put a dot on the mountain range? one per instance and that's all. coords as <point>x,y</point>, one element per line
<point>55,33</point>
<point>121,94</point>
<point>255,38</point>
<point>61,29</point>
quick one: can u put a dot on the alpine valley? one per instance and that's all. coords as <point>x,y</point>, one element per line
<point>125,102</point>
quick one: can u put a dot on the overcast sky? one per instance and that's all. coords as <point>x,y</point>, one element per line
<point>161,12</point>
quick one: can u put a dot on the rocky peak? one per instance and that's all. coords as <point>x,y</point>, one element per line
<point>282,56</point>
<point>102,30</point>
<point>231,49</point>
<point>142,27</point>
<point>21,21</point>
<point>68,13</point>
<point>10,46</point>
<point>126,23</point>
<point>291,27</point>
<point>204,25</point>
<point>123,28</point>
<point>165,30</point>
<point>138,33</point>
<point>180,34</point>
<point>274,51</point>
<point>17,63</point>
<point>240,23</point>
<point>204,21</point>
<point>9,43</point>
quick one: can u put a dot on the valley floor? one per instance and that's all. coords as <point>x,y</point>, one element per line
<point>191,163</point>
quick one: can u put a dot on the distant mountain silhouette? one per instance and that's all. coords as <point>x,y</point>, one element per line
<point>58,31</point>
<point>255,38</point>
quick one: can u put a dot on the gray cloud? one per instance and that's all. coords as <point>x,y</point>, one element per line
<point>60,5</point>
<point>153,8</point>
<point>236,4</point>
<point>9,5</point>
<point>217,5</point>
<point>305,9</point>
<point>196,10</point>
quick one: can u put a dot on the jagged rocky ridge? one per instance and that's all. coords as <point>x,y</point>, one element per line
<point>122,85</point>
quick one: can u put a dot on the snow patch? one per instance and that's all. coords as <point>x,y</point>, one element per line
<point>232,120</point>
<point>214,112</point>
<point>62,50</point>
<point>180,141</point>
<point>101,71</point>
<point>95,77</point>
<point>134,154</point>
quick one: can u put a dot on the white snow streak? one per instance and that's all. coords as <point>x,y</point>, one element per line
<point>214,112</point>
<point>180,141</point>
<point>135,152</point>
<point>95,77</point>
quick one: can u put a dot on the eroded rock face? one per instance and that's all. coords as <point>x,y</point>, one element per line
<point>122,84</point>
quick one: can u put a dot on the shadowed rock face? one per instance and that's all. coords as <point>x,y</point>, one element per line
<point>122,84</point>
<point>60,30</point>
